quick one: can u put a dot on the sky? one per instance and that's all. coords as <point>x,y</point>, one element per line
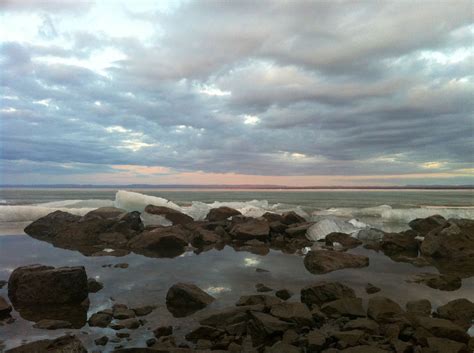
<point>236,92</point>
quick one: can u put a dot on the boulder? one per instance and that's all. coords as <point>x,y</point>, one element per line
<point>396,243</point>
<point>264,325</point>
<point>421,307</point>
<point>261,288</point>
<point>443,328</point>
<point>383,309</point>
<point>174,216</point>
<point>293,312</point>
<point>460,311</point>
<point>425,225</point>
<point>5,308</point>
<point>438,281</point>
<point>297,230</point>
<point>344,239</point>
<point>371,289</point>
<point>100,319</point>
<point>350,338</point>
<point>50,225</point>
<point>38,284</point>
<point>184,299</point>
<point>93,286</point>
<point>282,347</point>
<point>48,324</point>
<point>291,217</point>
<point>443,345</point>
<point>453,240</point>
<point>63,344</point>
<point>161,241</point>
<point>364,324</point>
<point>221,213</point>
<point>258,299</point>
<point>350,307</point>
<point>202,237</point>
<point>324,292</point>
<point>284,294</point>
<point>143,310</point>
<point>316,340</point>
<point>324,261</point>
<point>251,229</point>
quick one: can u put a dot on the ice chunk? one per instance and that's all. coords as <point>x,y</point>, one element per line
<point>134,201</point>
<point>358,224</point>
<point>155,220</point>
<point>324,227</point>
<point>369,234</point>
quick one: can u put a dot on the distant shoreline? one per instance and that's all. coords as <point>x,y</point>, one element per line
<point>238,187</point>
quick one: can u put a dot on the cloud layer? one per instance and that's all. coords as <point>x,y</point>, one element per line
<point>297,92</point>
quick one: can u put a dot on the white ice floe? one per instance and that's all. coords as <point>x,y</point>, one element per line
<point>321,229</point>
<point>369,234</point>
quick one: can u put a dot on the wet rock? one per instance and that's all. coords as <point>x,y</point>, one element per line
<point>382,309</point>
<point>202,237</point>
<point>122,312</point>
<point>344,239</point>
<point>228,317</point>
<point>364,349</point>
<point>426,225</point>
<point>121,265</point>
<point>350,338</point>
<point>316,340</point>
<point>291,217</point>
<point>261,270</point>
<point>143,310</point>
<point>51,224</point>
<point>293,312</point>
<point>260,287</point>
<point>324,292</point>
<point>38,284</point>
<point>282,347</point>
<point>47,324</point>
<point>163,331</point>
<point>130,324</point>
<point>221,213</point>
<point>184,299</point>
<point>460,311</point>
<point>443,328</point>
<point>174,216</point>
<point>100,319</point>
<point>396,243</point>
<point>93,286</point>
<point>371,289</point>
<point>443,345</point>
<point>298,229</point>
<point>75,313</point>
<point>453,240</point>
<point>161,242</point>
<point>364,324</point>
<point>350,307</point>
<point>420,307</point>
<point>251,229</point>
<point>324,261</point>
<point>5,308</point>
<point>101,341</point>
<point>264,326</point>
<point>438,281</point>
<point>284,294</point>
<point>63,344</point>
<point>273,217</point>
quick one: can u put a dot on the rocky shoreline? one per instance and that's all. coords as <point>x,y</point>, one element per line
<point>326,317</point>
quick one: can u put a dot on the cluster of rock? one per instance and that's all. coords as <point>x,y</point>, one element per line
<point>111,231</point>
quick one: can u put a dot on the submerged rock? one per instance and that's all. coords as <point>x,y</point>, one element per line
<point>460,311</point>
<point>184,299</point>
<point>324,292</point>
<point>438,281</point>
<point>371,289</point>
<point>324,261</point>
<point>48,324</point>
<point>38,284</point>
<point>93,286</point>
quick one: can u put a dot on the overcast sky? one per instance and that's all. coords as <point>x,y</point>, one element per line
<point>237,92</point>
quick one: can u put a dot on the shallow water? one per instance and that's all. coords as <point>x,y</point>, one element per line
<point>226,274</point>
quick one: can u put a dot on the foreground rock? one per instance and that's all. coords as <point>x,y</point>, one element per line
<point>161,241</point>
<point>438,281</point>
<point>425,225</point>
<point>184,299</point>
<point>221,214</point>
<point>64,344</point>
<point>324,261</point>
<point>251,229</point>
<point>38,284</point>
<point>344,239</point>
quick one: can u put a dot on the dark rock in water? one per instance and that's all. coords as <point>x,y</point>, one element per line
<point>100,319</point>
<point>324,261</point>
<point>47,324</point>
<point>63,344</point>
<point>298,229</point>
<point>163,331</point>
<point>93,286</point>
<point>282,347</point>
<point>344,239</point>
<point>396,243</point>
<point>122,312</point>
<point>382,309</point>
<point>261,270</point>
<point>273,217</point>
<point>258,299</point>
<point>260,287</point>
<point>38,284</point>
<point>350,307</point>
<point>421,307</point>
<point>251,229</point>
<point>438,281</point>
<point>161,242</point>
<point>443,345</point>
<point>350,338</point>
<point>297,313</point>
<point>291,218</point>
<point>371,289</point>
<point>363,324</point>
<point>426,225</point>
<point>76,314</point>
<point>316,340</point>
<point>5,308</point>
<point>174,216</point>
<point>183,299</point>
<point>221,214</point>
<point>460,311</point>
<point>130,324</point>
<point>264,326</point>
<point>101,341</point>
<point>121,265</point>
<point>284,294</point>
<point>324,292</point>
<point>453,240</point>
<point>50,225</point>
<point>202,237</point>
<point>143,310</point>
